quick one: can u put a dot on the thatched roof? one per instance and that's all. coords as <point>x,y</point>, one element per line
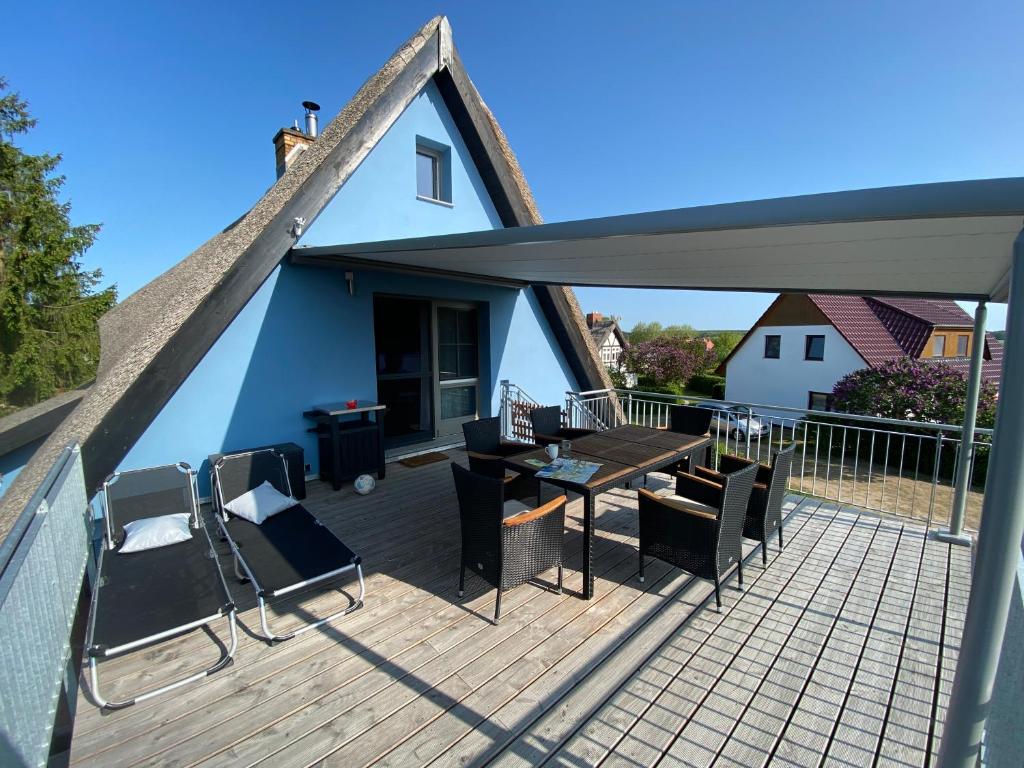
<point>152,340</point>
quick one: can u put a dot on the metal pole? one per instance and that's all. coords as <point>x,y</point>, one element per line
<point>999,550</point>
<point>955,534</point>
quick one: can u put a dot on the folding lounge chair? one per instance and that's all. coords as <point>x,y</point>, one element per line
<point>148,596</point>
<point>288,551</point>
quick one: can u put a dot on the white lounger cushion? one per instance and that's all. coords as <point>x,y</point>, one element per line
<point>153,532</point>
<point>260,503</point>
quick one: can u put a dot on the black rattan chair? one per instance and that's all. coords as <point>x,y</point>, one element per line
<point>690,420</point>
<point>700,529</point>
<point>505,544</point>
<point>548,429</point>
<point>487,451</point>
<point>764,512</point>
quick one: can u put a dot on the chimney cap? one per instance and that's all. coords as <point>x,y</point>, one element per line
<point>312,106</point>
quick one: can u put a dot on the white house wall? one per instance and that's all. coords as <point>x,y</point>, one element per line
<point>786,381</point>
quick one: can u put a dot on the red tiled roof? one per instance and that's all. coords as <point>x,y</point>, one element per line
<point>885,329</point>
<point>934,311</point>
<point>861,327</point>
<point>910,332</point>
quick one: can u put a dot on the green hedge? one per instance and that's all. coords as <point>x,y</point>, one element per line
<point>706,384</point>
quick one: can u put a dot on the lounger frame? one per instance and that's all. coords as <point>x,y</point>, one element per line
<point>244,573</point>
<point>96,652</point>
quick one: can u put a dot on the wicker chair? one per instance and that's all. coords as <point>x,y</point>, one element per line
<point>548,429</point>
<point>505,543</point>
<point>764,512</point>
<point>689,420</point>
<point>700,529</point>
<point>486,451</point>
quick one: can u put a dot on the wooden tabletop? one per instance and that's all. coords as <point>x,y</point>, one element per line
<point>620,451</point>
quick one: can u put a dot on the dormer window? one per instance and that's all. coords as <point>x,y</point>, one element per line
<point>433,174</point>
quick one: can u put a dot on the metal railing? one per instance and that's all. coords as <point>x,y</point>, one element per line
<point>515,412</point>
<point>42,564</point>
<point>885,465</point>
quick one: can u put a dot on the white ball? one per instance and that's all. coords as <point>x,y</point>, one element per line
<point>364,484</point>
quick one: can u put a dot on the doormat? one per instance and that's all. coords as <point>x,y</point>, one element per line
<point>424,458</point>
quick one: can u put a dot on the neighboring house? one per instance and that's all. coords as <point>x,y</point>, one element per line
<point>23,431</point>
<point>804,343</point>
<point>226,349</point>
<point>609,341</point>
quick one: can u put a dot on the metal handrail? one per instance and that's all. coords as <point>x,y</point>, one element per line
<point>928,425</point>
<point>887,465</point>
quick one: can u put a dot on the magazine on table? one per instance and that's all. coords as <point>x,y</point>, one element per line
<point>569,470</point>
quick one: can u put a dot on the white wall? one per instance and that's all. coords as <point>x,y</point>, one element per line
<point>751,378</point>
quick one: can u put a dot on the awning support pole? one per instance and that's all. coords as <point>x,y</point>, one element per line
<point>965,459</point>
<point>998,553</point>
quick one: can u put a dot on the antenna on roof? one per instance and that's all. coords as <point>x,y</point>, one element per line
<point>311,109</point>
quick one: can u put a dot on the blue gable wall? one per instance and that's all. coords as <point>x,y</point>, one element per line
<point>302,339</point>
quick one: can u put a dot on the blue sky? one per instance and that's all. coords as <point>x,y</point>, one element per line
<point>165,113</point>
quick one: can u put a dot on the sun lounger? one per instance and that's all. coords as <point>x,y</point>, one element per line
<point>290,550</point>
<point>147,596</point>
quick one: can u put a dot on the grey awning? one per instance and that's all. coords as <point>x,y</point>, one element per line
<point>952,239</point>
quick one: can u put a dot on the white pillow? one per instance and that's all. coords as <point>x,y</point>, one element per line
<point>260,503</point>
<point>153,532</point>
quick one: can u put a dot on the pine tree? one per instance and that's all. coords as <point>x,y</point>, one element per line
<point>49,304</point>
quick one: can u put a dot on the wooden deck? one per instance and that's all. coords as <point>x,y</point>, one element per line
<point>841,650</point>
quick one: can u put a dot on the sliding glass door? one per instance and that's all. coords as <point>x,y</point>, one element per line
<point>457,381</point>
<point>404,368</point>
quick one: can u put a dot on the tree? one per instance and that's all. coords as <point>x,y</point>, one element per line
<point>49,308</point>
<point>666,361</point>
<point>647,331</point>
<point>912,389</point>
<point>725,342</point>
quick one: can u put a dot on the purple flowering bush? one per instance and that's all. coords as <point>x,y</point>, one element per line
<point>912,389</point>
<point>668,362</point>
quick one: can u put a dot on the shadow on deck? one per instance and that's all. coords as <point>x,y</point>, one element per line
<point>842,649</point>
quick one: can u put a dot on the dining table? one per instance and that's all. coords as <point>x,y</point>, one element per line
<point>625,454</point>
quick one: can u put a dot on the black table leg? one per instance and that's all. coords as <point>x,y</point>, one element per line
<point>588,545</point>
<point>335,454</point>
<point>379,417</point>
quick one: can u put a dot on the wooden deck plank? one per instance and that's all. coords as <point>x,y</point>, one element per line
<point>855,736</point>
<point>340,704</point>
<point>600,694</point>
<point>742,726</point>
<point>626,638</point>
<point>957,593</point>
<point>806,735</point>
<point>906,737</point>
<point>661,724</point>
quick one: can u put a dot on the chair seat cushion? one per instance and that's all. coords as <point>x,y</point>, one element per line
<point>696,506</point>
<point>514,507</point>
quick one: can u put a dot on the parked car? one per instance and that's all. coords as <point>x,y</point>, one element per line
<point>735,421</point>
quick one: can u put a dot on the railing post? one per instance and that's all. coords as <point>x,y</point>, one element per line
<point>935,478</point>
<point>998,552</point>
<point>503,409</point>
<point>955,534</point>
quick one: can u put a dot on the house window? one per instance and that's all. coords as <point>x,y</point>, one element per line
<point>819,401</point>
<point>433,174</point>
<point>939,346</point>
<point>814,349</point>
<point>772,346</point>
<point>962,341</point>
